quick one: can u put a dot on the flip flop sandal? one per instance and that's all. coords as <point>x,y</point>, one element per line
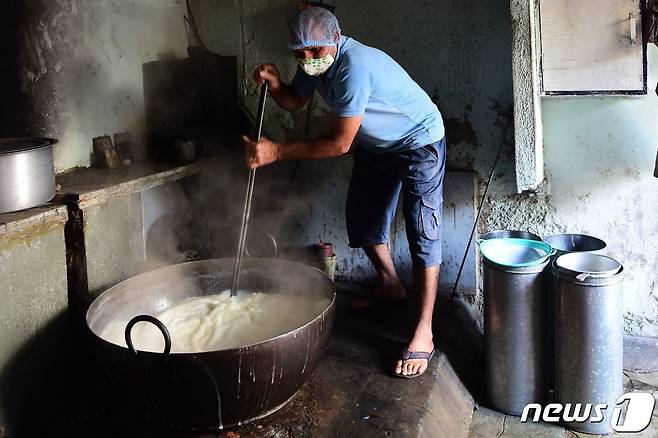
<point>410,355</point>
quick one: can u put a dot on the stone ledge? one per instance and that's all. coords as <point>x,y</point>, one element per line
<point>90,186</point>
<point>25,221</point>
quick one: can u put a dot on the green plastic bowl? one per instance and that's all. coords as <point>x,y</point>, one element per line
<point>515,253</point>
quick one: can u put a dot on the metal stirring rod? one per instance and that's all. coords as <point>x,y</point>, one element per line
<point>247,202</point>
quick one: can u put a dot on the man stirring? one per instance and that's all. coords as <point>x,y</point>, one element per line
<point>400,147</point>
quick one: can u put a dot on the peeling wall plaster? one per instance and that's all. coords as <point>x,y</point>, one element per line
<point>80,68</point>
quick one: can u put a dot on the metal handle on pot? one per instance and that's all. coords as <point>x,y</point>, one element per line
<point>272,240</point>
<point>193,360</point>
<point>552,252</point>
<point>156,322</point>
<point>147,376</point>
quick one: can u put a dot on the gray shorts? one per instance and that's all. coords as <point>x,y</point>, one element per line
<point>378,179</point>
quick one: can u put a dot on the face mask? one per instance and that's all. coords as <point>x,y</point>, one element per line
<point>316,66</point>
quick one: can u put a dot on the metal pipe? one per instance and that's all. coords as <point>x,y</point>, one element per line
<point>247,203</point>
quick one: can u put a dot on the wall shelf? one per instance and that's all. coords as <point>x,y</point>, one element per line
<point>89,186</point>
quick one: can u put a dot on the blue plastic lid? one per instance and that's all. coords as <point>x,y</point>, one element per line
<point>514,252</point>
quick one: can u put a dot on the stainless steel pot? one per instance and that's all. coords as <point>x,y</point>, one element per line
<point>515,335</point>
<point>589,335</point>
<point>213,389</point>
<point>27,173</point>
<point>566,243</point>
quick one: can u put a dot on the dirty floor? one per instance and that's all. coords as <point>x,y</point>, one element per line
<point>351,392</point>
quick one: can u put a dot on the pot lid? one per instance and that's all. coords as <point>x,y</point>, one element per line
<point>13,145</point>
<point>583,265</point>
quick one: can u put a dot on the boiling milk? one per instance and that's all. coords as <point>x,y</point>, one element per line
<point>218,322</point>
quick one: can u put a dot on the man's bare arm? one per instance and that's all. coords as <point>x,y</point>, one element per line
<point>338,142</point>
<point>287,99</point>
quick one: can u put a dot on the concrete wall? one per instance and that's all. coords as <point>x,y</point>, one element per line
<point>528,138</point>
<point>114,241</point>
<point>599,152</point>
<point>33,326</point>
<point>474,97</point>
<point>78,68</point>
<point>599,156</point>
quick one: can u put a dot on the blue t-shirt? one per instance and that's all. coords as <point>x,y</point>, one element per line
<point>397,114</point>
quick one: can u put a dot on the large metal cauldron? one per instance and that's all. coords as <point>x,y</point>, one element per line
<point>213,389</point>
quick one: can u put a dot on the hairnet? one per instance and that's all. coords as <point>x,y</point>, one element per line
<point>313,27</point>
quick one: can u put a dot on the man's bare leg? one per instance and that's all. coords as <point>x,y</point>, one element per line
<point>425,283</point>
<point>390,286</point>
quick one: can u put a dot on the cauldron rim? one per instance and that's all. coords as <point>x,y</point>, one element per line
<point>293,332</point>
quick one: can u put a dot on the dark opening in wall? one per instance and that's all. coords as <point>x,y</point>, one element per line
<point>15,102</point>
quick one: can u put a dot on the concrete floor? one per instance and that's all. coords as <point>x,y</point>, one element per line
<point>488,423</point>
<point>351,393</point>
